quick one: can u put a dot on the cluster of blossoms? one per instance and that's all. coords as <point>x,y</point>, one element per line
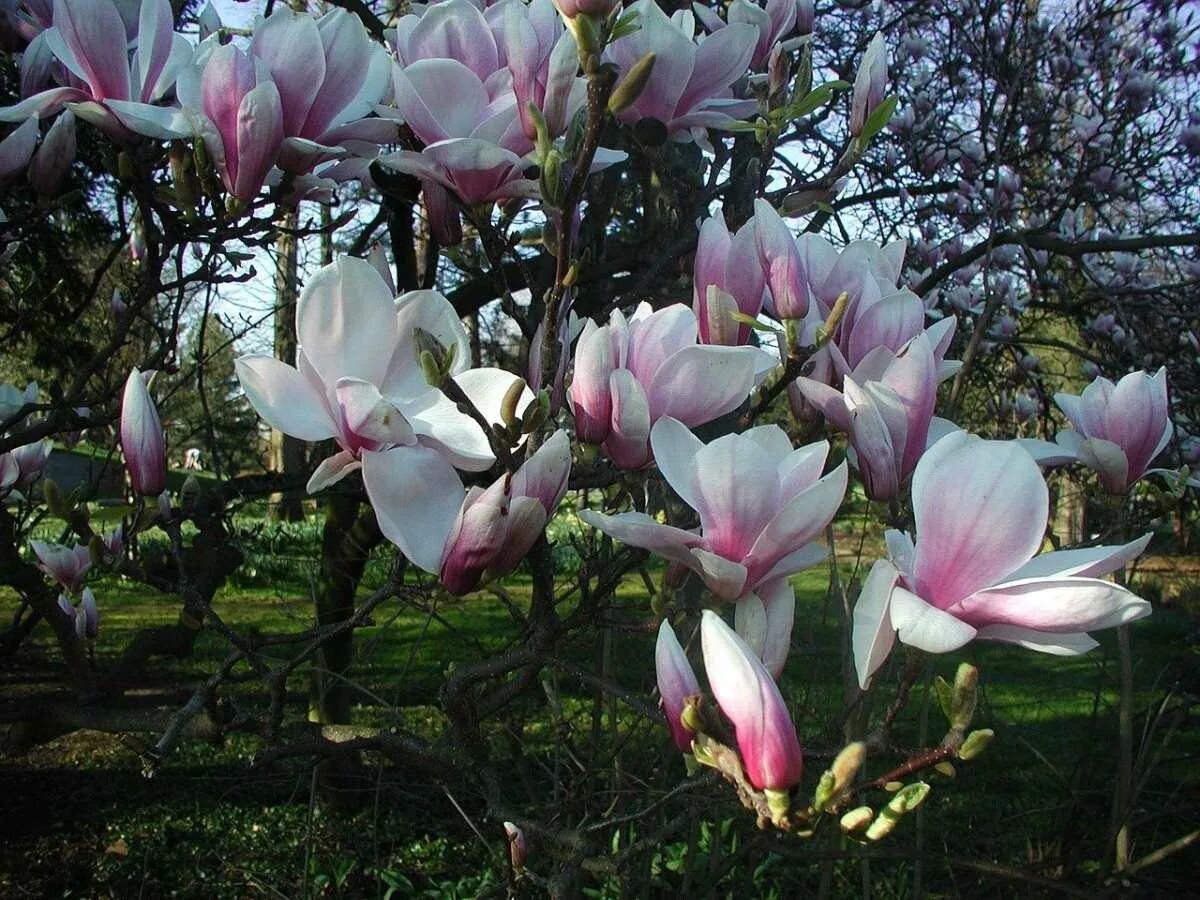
<point>486,93</point>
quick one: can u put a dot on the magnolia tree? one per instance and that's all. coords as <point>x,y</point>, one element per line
<point>681,236</point>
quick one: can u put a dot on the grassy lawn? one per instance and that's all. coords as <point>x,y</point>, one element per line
<point>79,819</point>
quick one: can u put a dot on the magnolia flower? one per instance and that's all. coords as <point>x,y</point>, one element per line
<point>17,148</point>
<point>886,409</point>
<point>496,527</point>
<point>980,510</point>
<point>13,400</point>
<point>870,84</point>
<point>728,279</point>
<point>1118,428</point>
<point>330,75</point>
<point>87,617</point>
<point>676,682</point>
<point>105,84</point>
<point>629,374</point>
<point>749,698</point>
<point>31,461</point>
<point>517,849</point>
<point>66,565</point>
<point>761,506</point>
<point>53,158</point>
<point>114,541</point>
<point>241,118</point>
<point>10,471</point>
<point>690,87</point>
<point>543,60</point>
<point>773,23</point>
<point>142,440</point>
<point>358,379</point>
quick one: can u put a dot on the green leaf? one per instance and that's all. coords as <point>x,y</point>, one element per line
<point>879,117</point>
<point>743,319</point>
<point>815,99</point>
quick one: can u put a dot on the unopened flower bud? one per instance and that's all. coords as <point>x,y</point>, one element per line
<point>142,439</point>
<point>857,820</point>
<point>630,88</point>
<point>829,326</point>
<point>517,850</point>
<point>550,180</point>
<point>976,742</point>
<point>512,397</point>
<point>962,705</point>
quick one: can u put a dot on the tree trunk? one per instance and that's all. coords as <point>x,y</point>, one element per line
<point>287,453</point>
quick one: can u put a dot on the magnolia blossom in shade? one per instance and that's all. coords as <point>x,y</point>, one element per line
<point>9,472</point>
<point>870,84</point>
<point>774,23</point>
<point>980,510</point>
<point>761,506</point>
<point>496,527</point>
<point>242,117</point>
<point>543,60</point>
<point>358,380</point>
<point>87,617</point>
<point>783,266</point>
<point>17,148</point>
<point>142,439</point>
<point>690,88</point>
<point>676,682</point>
<point>53,158</point>
<point>66,565</point>
<point>31,461</point>
<point>631,373</point>
<point>330,75</point>
<point>750,699</point>
<point>1118,428</point>
<point>102,81</point>
<point>887,415</point>
<point>114,541</point>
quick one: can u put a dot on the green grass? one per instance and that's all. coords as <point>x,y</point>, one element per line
<point>77,817</point>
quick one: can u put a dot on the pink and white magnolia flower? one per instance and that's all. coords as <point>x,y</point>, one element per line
<point>31,461</point>
<point>330,75</point>
<point>750,699</point>
<point>87,617</point>
<point>1118,428</point>
<point>980,510</point>
<point>9,472</point>
<point>66,565</point>
<point>17,149</point>
<point>142,440</point>
<point>762,505</point>
<point>496,527</point>
<point>103,82</point>
<point>870,84</point>
<point>631,373</point>
<point>53,158</point>
<point>690,88</point>
<point>676,682</point>
<point>236,107</point>
<point>728,279</point>
<point>886,409</point>
<point>774,23</point>
<point>358,380</point>
<point>735,274</point>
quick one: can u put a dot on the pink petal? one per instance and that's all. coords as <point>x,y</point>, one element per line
<point>980,509</point>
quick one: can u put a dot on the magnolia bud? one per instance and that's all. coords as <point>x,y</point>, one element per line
<point>512,397</point>
<point>517,850</point>
<point>976,743</point>
<point>857,820</point>
<point>630,88</point>
<point>142,439</point>
<point>962,706</point>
